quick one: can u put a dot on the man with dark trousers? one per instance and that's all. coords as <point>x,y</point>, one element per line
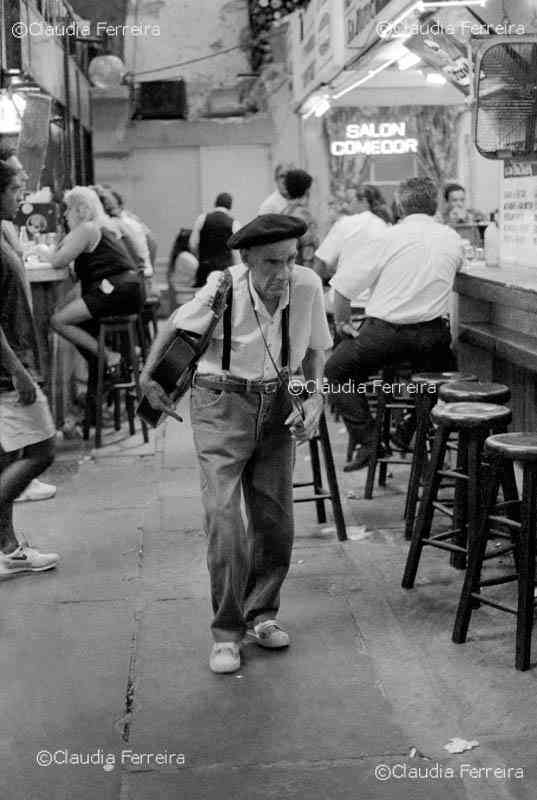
<point>410,270</point>
<point>210,236</point>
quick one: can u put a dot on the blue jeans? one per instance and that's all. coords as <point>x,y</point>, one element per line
<point>244,451</point>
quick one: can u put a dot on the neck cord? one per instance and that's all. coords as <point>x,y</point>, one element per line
<point>283,381</point>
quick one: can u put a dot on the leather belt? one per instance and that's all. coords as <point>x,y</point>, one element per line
<point>228,383</point>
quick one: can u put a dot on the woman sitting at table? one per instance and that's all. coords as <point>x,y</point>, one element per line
<point>109,281</point>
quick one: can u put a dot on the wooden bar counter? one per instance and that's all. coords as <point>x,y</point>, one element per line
<point>496,324</point>
<point>48,286</point>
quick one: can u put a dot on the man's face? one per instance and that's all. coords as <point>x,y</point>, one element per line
<point>457,199</point>
<point>271,266</point>
<point>10,198</point>
<point>280,182</point>
<point>14,162</point>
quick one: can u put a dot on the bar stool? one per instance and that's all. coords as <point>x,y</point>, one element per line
<point>474,392</point>
<point>505,450</point>
<point>320,494</point>
<point>124,330</point>
<point>426,386</point>
<point>387,403</point>
<point>473,422</point>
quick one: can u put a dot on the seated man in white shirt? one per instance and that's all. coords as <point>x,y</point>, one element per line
<point>410,270</point>
<point>368,219</point>
<point>276,202</point>
<point>243,423</point>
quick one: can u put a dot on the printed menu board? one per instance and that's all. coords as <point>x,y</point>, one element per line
<point>518,223</point>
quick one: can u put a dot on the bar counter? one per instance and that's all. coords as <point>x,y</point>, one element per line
<point>496,325</point>
<point>49,285</point>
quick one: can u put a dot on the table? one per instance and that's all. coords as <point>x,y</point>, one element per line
<point>49,285</point>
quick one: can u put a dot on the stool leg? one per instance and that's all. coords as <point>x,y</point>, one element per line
<point>134,365</point>
<point>419,458</point>
<point>331,475</point>
<point>375,445</point>
<point>460,502</point>
<point>475,558</point>
<point>141,337</point>
<point>526,575</point>
<point>90,399</point>
<point>474,502</point>
<point>101,358</point>
<point>117,410</point>
<point>386,427</point>
<point>317,478</point>
<point>426,509</point>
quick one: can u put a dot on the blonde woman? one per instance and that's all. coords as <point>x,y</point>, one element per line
<point>109,281</point>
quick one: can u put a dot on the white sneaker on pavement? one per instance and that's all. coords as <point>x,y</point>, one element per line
<point>26,559</point>
<point>37,490</point>
<point>269,634</point>
<point>225,657</point>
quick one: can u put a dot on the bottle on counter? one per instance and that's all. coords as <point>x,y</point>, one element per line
<point>492,245</point>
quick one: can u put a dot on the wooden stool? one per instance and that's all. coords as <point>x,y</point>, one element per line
<point>473,422</point>
<point>474,392</point>
<point>426,394</point>
<point>506,449</point>
<point>320,494</point>
<point>149,317</point>
<point>387,403</point>
<point>124,330</point>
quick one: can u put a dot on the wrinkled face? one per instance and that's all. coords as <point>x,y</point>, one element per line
<point>11,197</point>
<point>271,266</point>
<point>14,162</point>
<point>456,199</point>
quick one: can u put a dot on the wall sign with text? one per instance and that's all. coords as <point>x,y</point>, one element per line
<point>518,222</point>
<point>375,138</point>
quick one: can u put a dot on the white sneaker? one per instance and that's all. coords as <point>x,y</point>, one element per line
<point>37,490</point>
<point>26,559</point>
<point>225,657</point>
<point>269,634</point>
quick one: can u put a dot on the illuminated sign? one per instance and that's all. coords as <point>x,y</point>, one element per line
<point>372,139</point>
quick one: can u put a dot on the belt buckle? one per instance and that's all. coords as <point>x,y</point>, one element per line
<point>272,388</point>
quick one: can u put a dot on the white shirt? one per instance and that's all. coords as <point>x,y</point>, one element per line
<point>410,268</point>
<point>136,231</point>
<point>273,204</point>
<point>364,225</point>
<point>308,327</point>
<point>194,241</point>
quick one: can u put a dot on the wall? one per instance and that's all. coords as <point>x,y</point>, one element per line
<point>190,29</point>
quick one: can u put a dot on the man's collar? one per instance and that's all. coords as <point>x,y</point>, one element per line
<point>418,218</point>
<point>259,305</point>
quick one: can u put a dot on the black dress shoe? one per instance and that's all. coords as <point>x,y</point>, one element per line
<point>362,458</point>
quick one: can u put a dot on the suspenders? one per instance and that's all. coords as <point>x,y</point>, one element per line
<point>227,320</point>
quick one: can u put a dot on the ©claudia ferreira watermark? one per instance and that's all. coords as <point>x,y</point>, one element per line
<point>298,387</point>
<point>40,29</point>
<point>385,28</point>
<point>437,771</point>
<point>108,761</point>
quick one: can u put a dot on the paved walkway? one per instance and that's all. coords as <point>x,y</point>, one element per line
<point>106,658</point>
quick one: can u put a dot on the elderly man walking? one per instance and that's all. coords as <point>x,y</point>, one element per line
<point>410,269</point>
<point>244,424</point>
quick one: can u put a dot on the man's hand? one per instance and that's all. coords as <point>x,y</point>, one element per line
<point>25,387</point>
<point>303,430</point>
<point>346,330</point>
<point>157,397</point>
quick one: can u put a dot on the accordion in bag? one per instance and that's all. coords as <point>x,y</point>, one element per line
<point>176,366</point>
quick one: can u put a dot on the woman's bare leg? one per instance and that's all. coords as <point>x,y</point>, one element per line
<point>66,322</point>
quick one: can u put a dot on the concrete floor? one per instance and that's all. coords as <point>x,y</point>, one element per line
<point>107,657</point>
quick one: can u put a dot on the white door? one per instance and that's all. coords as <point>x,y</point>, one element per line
<point>244,171</point>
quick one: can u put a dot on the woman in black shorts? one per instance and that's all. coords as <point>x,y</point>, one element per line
<point>110,284</point>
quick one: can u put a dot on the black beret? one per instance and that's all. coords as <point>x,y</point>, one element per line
<point>267,229</point>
